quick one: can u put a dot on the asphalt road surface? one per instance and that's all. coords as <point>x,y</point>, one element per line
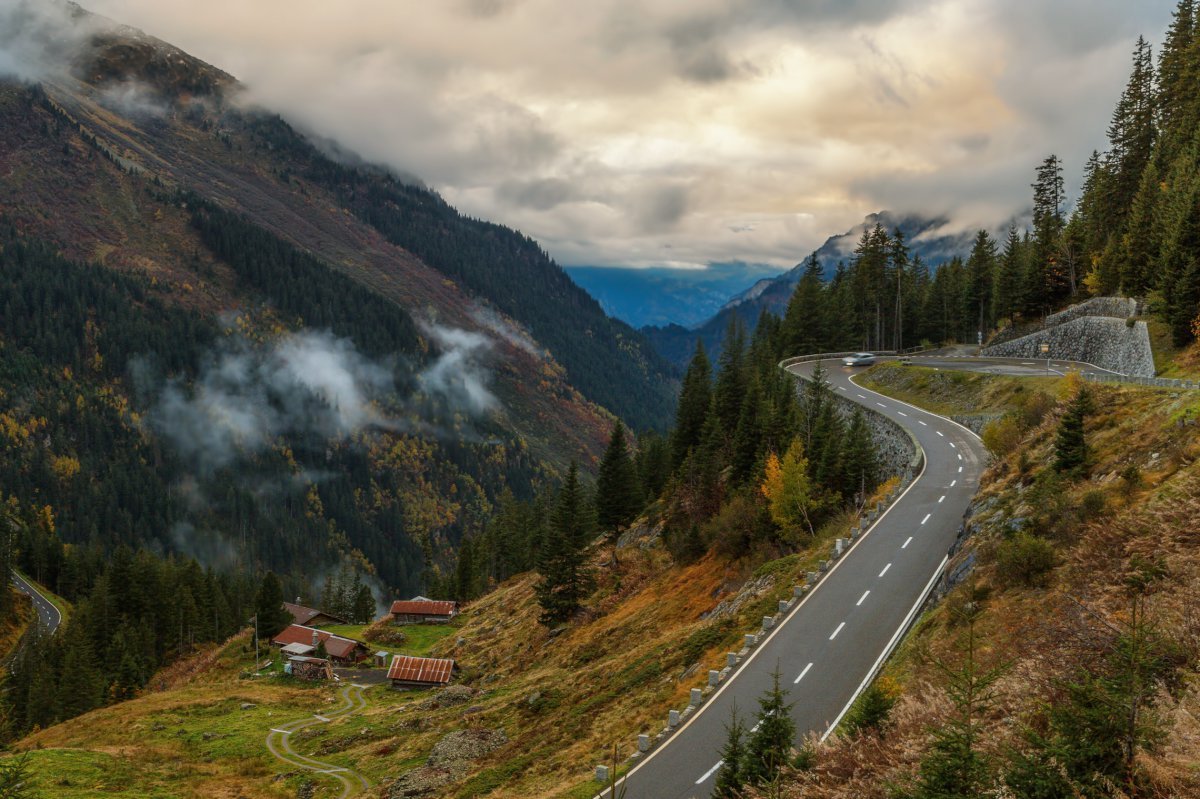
<point>47,615</point>
<point>829,645</point>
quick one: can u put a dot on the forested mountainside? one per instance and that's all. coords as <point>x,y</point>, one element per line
<point>217,340</point>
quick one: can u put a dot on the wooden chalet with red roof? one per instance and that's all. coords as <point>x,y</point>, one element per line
<point>423,611</point>
<point>296,640</point>
<point>414,672</point>
<point>311,617</point>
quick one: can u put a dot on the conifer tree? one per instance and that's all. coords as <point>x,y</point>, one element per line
<point>268,606</point>
<point>1006,297</point>
<point>730,386</point>
<point>859,464</point>
<point>955,766</point>
<point>618,492</point>
<point>364,605</point>
<point>803,321</point>
<point>565,578</point>
<point>695,400</point>
<point>747,438</point>
<point>1070,445</point>
<point>731,775</point>
<point>981,267</point>
<point>771,741</point>
<point>653,464</point>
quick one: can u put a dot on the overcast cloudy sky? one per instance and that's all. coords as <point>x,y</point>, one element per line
<point>686,132</point>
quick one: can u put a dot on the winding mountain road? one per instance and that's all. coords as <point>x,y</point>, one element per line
<point>279,745</point>
<point>830,645</point>
<point>48,616</point>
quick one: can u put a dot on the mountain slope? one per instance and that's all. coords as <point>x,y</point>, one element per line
<point>131,167</point>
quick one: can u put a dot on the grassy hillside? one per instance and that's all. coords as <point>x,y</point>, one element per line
<point>1066,574</point>
<point>563,698</point>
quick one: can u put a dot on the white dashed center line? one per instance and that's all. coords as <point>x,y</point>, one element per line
<point>861,598</point>
<point>801,677</point>
<point>838,630</point>
<point>942,497</point>
<point>927,515</point>
<point>906,543</point>
<point>922,423</point>
<point>952,445</point>
<point>885,568</point>
<point>960,456</point>
<point>881,405</point>
<point>940,433</point>
<point>704,777</point>
<point>960,470</point>
<point>902,413</point>
<point>862,396</point>
<point>952,482</point>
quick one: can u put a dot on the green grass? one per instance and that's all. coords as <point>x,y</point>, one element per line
<point>60,604</point>
<point>421,638</point>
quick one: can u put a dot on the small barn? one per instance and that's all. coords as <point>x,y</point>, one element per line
<point>413,672</point>
<point>309,668</point>
<point>423,611</point>
<point>340,650</point>
<point>311,617</point>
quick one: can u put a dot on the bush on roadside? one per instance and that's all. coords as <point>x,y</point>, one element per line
<point>1025,559</point>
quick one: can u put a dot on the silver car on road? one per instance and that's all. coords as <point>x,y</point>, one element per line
<point>859,359</point>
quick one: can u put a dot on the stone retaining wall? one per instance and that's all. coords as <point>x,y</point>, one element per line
<point>1101,341</point>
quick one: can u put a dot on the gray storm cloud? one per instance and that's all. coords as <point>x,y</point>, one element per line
<point>309,382</point>
<point>686,132</point>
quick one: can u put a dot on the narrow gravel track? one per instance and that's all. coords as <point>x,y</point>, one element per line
<point>281,748</point>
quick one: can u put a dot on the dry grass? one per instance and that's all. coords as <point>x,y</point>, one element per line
<point>1046,633</point>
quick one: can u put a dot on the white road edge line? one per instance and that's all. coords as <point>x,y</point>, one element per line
<point>887,650</point>
<point>801,677</point>
<point>704,777</point>
<point>885,568</point>
<point>838,630</point>
<point>906,543</point>
<point>863,598</point>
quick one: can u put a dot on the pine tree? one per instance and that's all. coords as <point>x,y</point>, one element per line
<point>771,740</point>
<point>747,438</point>
<point>981,268</point>
<point>364,605</point>
<point>1131,136</point>
<point>1006,299</point>
<point>731,378</point>
<point>859,465</point>
<point>268,606</point>
<point>565,578</point>
<point>618,491</point>
<point>803,322</point>
<point>695,400</point>
<point>731,775</point>
<point>653,463</point>
<point>954,766</point>
<point>1070,445</point>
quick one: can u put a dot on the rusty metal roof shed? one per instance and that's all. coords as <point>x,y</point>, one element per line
<point>431,671</point>
<point>423,607</point>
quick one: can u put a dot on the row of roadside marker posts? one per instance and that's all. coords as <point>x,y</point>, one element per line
<point>676,718</point>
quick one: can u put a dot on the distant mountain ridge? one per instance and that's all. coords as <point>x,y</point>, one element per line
<point>663,295</point>
<point>922,233</point>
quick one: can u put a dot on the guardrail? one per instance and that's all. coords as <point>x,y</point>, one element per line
<point>1154,382</point>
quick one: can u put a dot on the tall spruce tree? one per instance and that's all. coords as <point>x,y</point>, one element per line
<point>804,329</point>
<point>618,490</point>
<point>695,401</point>
<point>565,578</point>
<point>1070,444</point>
<point>772,737</point>
<point>268,606</point>
<point>730,778</point>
